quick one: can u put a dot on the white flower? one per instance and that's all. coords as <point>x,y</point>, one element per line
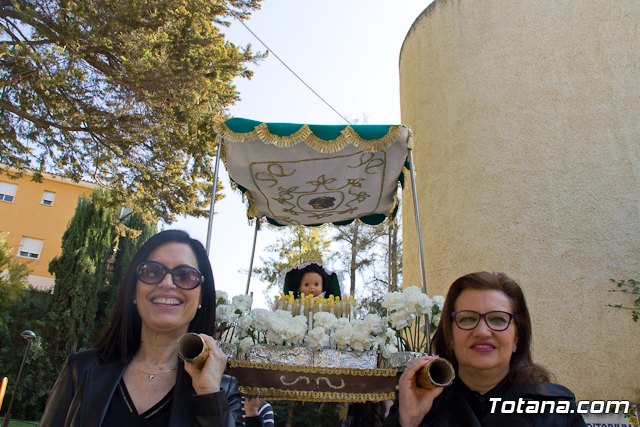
<point>260,318</point>
<point>342,334</point>
<point>243,325</point>
<point>245,345</point>
<point>222,295</point>
<point>297,330</point>
<point>325,319</point>
<point>225,313</point>
<point>375,323</point>
<point>242,303</point>
<point>388,349</point>
<point>393,301</point>
<point>360,336</point>
<point>400,319</point>
<point>416,302</point>
<point>317,338</point>
<point>439,301</point>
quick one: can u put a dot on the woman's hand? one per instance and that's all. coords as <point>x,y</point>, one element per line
<point>207,379</point>
<point>415,402</point>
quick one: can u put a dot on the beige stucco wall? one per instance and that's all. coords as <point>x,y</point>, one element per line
<point>526,122</point>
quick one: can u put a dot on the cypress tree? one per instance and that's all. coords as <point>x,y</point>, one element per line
<point>79,274</point>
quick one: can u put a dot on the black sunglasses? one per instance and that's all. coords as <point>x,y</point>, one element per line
<point>183,276</point>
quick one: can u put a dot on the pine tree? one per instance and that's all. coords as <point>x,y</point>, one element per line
<point>79,273</point>
<point>127,92</point>
<point>288,249</point>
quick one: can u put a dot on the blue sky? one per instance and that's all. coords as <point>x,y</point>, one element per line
<point>348,52</point>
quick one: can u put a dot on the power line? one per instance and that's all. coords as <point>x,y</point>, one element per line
<point>286,66</point>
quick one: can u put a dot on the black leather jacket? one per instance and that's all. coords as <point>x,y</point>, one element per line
<point>82,393</point>
<point>451,409</point>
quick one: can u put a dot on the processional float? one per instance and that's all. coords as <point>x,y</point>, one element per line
<point>301,174</point>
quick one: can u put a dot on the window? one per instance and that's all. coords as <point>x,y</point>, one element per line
<point>47,198</point>
<point>7,192</point>
<point>30,248</point>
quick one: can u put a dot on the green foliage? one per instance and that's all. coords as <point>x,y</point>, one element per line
<point>630,287</point>
<point>139,232</point>
<point>127,93</point>
<point>291,244</point>
<point>79,274</point>
<point>38,375</point>
<point>13,278</point>
<point>358,242</point>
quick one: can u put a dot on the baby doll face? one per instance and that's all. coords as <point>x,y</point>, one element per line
<point>311,284</point>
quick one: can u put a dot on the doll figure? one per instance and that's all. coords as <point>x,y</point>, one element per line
<point>311,278</point>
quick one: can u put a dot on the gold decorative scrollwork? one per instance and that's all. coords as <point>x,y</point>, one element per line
<point>328,381</point>
<point>301,378</point>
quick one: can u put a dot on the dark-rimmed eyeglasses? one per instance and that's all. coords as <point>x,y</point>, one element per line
<point>183,276</point>
<point>469,319</point>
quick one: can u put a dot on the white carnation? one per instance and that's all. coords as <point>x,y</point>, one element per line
<point>360,336</point>
<point>225,313</point>
<point>342,335</point>
<point>242,303</point>
<point>245,345</point>
<point>222,295</point>
<point>325,319</point>
<point>317,338</point>
<point>260,318</point>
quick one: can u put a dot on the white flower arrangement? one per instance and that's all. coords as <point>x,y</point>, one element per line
<point>401,329</point>
<point>407,312</point>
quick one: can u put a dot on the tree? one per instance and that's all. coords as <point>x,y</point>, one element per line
<point>21,308</point>
<point>359,242</point>
<point>136,232</point>
<point>125,93</point>
<point>79,274</point>
<point>288,249</point>
<point>13,278</point>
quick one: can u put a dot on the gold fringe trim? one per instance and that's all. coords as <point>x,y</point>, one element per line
<point>371,145</point>
<point>282,141</point>
<point>305,135</point>
<point>315,396</point>
<point>236,363</point>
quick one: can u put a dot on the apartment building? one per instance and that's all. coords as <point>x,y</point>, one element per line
<point>35,215</point>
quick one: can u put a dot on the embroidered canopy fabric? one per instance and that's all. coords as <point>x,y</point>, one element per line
<point>295,174</point>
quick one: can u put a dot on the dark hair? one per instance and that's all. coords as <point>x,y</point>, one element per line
<point>122,339</point>
<point>521,366</point>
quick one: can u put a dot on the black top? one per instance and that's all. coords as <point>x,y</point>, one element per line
<point>480,403</point>
<point>122,411</point>
<point>458,406</point>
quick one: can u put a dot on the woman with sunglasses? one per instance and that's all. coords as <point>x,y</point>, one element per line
<point>485,332</point>
<point>134,376</point>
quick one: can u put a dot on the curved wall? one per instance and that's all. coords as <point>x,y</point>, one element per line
<point>526,124</point>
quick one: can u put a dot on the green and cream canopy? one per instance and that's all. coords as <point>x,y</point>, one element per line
<point>296,174</point>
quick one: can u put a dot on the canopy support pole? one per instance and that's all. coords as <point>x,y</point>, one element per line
<point>213,194</point>
<point>389,257</point>
<point>253,252</point>
<point>423,274</point>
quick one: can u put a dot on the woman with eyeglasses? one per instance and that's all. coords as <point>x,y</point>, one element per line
<point>485,332</point>
<point>134,376</point>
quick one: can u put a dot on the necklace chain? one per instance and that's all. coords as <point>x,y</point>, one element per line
<point>152,376</point>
